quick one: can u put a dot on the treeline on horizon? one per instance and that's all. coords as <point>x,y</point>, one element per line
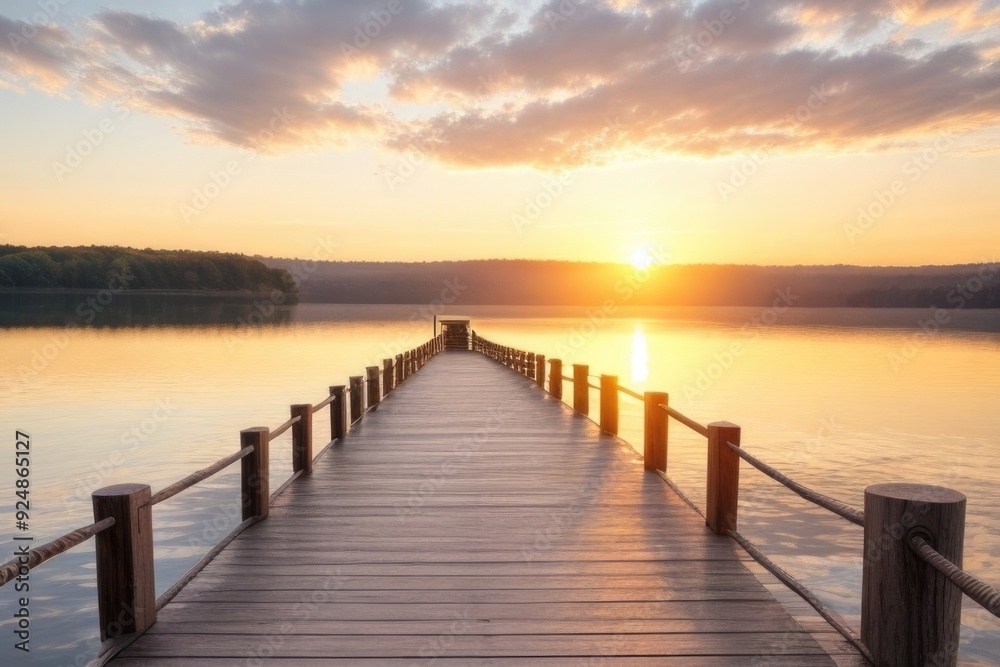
<point>527,282</point>
<point>124,269</point>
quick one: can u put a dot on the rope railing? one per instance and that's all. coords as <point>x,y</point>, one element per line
<point>172,592</point>
<point>284,427</point>
<point>687,421</point>
<point>633,394</point>
<point>977,590</point>
<point>322,404</point>
<point>13,568</point>
<point>830,616</point>
<point>889,609</point>
<point>839,508</point>
<point>124,557</point>
<point>198,476</point>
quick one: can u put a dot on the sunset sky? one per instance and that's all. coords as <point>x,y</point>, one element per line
<point>729,131</point>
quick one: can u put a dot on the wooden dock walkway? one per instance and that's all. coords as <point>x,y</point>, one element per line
<point>474,519</point>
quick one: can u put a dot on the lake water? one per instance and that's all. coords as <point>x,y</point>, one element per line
<point>836,398</point>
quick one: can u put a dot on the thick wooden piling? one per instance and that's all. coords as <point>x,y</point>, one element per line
<point>357,397</point>
<point>723,477</point>
<point>372,384</point>
<point>126,592</point>
<point>254,480</point>
<point>911,613</point>
<point>302,439</point>
<point>609,404</point>
<point>555,378</point>
<point>338,412</point>
<point>581,388</point>
<point>655,431</point>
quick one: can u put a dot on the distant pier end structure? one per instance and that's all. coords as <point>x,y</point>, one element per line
<point>456,332</point>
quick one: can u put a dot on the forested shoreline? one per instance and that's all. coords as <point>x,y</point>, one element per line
<point>542,283</point>
<point>493,282</point>
<point>62,269</point>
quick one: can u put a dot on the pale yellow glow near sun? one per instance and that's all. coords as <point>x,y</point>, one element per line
<point>641,258</point>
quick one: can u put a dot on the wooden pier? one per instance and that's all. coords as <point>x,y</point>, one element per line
<point>463,514</point>
<point>475,519</point>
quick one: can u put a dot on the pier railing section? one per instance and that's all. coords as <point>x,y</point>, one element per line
<point>123,520</point>
<point>912,581</point>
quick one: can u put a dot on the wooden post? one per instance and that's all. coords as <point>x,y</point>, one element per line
<point>723,477</point>
<point>910,612</point>
<point>406,365</point>
<point>609,404</point>
<point>302,439</point>
<point>581,388</point>
<point>540,370</point>
<point>126,592</point>
<point>338,412</point>
<point>357,397</point>
<point>387,377</point>
<point>555,378</point>
<point>255,485</point>
<point>374,391</point>
<point>655,431</point>
<point>474,340</point>
<point>529,367</point>
<point>399,371</point>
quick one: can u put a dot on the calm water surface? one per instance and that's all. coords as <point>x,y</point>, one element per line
<point>838,399</point>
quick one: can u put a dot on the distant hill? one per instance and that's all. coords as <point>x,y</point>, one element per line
<point>128,269</point>
<point>524,282</point>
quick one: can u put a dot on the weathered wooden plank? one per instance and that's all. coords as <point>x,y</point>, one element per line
<point>656,594</point>
<point>475,520</point>
<point>601,614</point>
<point>461,645</point>
<point>492,627</point>
<point>678,568</point>
<point>621,661</point>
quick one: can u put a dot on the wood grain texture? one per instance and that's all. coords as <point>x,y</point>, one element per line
<point>125,578</point>
<point>473,520</point>
<point>911,613</point>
